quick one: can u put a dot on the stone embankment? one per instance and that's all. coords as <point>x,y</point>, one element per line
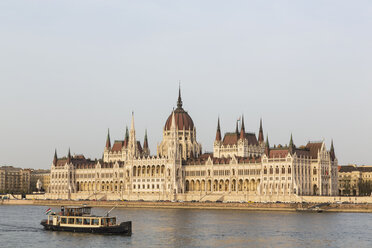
<point>356,208</point>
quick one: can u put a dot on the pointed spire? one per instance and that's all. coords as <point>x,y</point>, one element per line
<point>291,141</point>
<point>242,129</point>
<point>55,159</point>
<point>260,133</point>
<point>267,146</point>
<point>332,151</point>
<point>179,101</point>
<point>237,129</point>
<point>132,122</point>
<point>291,145</point>
<point>145,142</point>
<point>218,133</point>
<point>126,138</point>
<point>69,156</point>
<point>267,141</point>
<point>108,141</point>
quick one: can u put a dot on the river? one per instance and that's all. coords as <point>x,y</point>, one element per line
<point>20,227</point>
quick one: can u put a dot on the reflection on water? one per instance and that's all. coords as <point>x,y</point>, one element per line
<point>19,225</point>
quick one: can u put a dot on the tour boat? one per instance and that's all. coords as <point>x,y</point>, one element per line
<point>79,219</point>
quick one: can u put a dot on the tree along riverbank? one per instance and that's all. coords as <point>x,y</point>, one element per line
<point>355,208</point>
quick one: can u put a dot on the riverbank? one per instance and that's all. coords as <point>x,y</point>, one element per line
<point>351,208</point>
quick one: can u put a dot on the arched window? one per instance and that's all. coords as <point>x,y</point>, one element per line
<point>271,170</point>
<point>265,170</point>
<point>283,170</point>
<point>289,170</point>
<point>277,170</point>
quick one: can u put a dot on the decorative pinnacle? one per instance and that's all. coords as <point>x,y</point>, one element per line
<point>55,157</point>
<point>108,141</point>
<point>126,133</point>
<point>69,156</point>
<point>267,141</point>
<point>242,127</point>
<point>260,133</point>
<point>145,142</point>
<point>218,133</point>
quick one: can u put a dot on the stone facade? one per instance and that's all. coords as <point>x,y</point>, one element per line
<point>241,167</point>
<point>14,180</point>
<point>355,180</point>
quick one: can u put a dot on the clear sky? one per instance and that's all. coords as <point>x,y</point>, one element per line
<point>71,69</point>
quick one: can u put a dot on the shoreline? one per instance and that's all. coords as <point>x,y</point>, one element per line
<point>282,207</point>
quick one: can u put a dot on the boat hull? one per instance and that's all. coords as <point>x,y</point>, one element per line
<point>125,228</point>
<point>309,210</point>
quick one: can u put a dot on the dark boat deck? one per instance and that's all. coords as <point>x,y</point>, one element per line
<point>125,228</point>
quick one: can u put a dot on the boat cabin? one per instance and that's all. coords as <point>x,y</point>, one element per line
<point>79,217</point>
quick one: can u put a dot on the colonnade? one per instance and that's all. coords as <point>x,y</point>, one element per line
<point>227,185</point>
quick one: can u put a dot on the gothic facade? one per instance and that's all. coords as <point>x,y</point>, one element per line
<point>241,167</point>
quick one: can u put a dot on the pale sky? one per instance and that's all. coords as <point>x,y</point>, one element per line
<point>71,69</point>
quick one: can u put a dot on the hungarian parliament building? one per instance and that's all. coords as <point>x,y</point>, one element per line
<point>242,167</point>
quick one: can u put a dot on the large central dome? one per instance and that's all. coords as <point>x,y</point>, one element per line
<point>182,118</point>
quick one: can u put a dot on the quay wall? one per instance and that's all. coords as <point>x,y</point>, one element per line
<point>204,198</point>
<point>334,207</point>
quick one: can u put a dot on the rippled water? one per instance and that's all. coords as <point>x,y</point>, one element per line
<point>19,227</point>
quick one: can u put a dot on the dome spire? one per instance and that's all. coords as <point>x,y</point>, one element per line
<point>179,101</point>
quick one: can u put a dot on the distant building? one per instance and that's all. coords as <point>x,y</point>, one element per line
<point>43,176</point>
<point>241,167</point>
<point>355,180</point>
<point>14,180</point>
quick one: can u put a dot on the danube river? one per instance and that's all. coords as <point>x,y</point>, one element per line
<point>19,227</point>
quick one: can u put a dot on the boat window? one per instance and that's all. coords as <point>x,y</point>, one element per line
<point>63,220</point>
<point>104,222</point>
<point>70,220</point>
<point>78,221</point>
<point>95,221</point>
<point>112,221</point>
<point>86,221</point>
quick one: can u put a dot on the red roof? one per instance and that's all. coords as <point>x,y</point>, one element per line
<point>276,153</point>
<point>118,145</point>
<point>232,139</point>
<point>182,118</point>
<point>314,148</point>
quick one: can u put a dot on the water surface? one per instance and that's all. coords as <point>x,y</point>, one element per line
<point>20,227</point>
